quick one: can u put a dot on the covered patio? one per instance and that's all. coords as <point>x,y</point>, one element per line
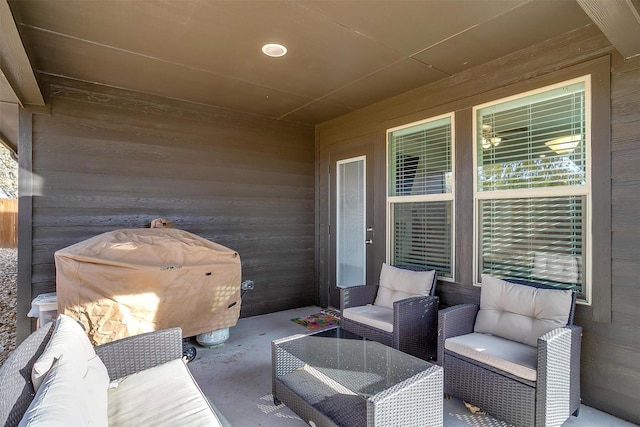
<point>123,112</point>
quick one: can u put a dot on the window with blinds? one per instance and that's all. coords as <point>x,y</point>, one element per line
<point>420,195</point>
<point>532,186</point>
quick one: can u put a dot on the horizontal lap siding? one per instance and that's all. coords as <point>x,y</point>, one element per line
<point>611,350</point>
<point>105,159</point>
<point>611,378</point>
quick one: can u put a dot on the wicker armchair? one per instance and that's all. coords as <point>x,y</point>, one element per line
<point>406,321</point>
<point>540,385</point>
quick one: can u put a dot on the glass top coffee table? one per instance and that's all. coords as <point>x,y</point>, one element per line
<point>336,378</point>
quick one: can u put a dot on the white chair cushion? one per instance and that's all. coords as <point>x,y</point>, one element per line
<point>520,313</point>
<point>68,338</point>
<point>372,315</point>
<point>513,357</point>
<point>169,395</point>
<point>61,400</point>
<point>397,284</point>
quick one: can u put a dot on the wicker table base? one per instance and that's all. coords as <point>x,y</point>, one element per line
<point>337,378</point>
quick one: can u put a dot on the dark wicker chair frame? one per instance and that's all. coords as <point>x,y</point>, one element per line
<point>415,320</point>
<point>122,357</point>
<point>548,401</point>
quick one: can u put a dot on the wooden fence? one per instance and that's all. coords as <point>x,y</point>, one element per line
<point>8,223</point>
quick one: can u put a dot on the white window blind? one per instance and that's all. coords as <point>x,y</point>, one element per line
<point>420,195</point>
<point>532,191</point>
<point>538,239</point>
<point>422,235</point>
<point>420,159</point>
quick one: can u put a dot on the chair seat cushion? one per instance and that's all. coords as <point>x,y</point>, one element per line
<point>372,315</point>
<point>168,394</point>
<point>510,356</point>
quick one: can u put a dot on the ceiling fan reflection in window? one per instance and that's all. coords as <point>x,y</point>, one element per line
<point>493,139</point>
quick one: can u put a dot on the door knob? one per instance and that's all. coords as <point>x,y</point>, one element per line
<point>368,242</point>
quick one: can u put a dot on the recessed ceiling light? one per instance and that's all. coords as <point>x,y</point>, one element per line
<point>275,50</point>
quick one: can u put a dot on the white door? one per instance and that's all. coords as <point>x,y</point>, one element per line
<point>351,220</point>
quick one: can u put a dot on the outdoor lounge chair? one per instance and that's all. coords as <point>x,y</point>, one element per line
<point>517,356</point>
<point>402,312</point>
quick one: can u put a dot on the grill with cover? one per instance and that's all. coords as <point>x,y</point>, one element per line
<point>131,281</point>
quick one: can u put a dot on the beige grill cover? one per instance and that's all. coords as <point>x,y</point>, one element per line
<point>130,281</point>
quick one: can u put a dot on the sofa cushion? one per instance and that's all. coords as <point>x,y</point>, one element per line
<point>165,395</point>
<point>68,338</point>
<point>372,315</point>
<point>519,312</point>
<point>513,357</point>
<point>96,383</point>
<point>397,284</point>
<point>61,399</point>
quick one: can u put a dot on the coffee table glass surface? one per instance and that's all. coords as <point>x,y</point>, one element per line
<point>335,377</point>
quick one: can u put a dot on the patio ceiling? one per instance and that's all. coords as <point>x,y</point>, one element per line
<point>343,55</point>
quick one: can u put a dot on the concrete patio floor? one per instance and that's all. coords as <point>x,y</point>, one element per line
<point>236,377</point>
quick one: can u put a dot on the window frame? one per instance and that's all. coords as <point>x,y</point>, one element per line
<point>541,192</point>
<point>448,196</point>
<point>461,289</point>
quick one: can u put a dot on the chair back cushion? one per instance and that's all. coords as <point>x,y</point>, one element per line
<point>519,312</point>
<point>398,284</point>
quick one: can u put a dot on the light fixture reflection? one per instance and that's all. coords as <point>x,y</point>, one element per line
<point>564,145</point>
<point>489,139</point>
<point>488,142</point>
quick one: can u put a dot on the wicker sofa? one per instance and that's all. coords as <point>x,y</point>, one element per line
<point>53,378</point>
<point>517,355</point>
